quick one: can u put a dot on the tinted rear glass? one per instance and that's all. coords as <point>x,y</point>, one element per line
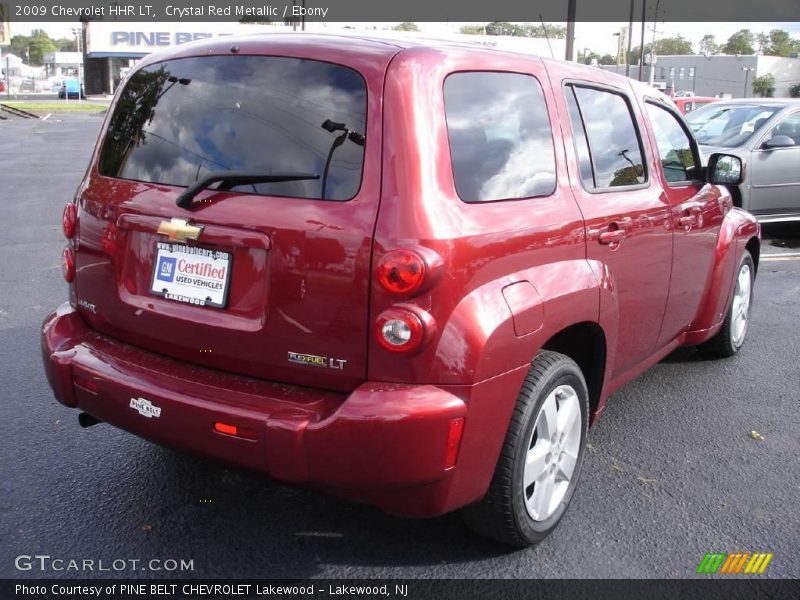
<point>500,139</point>
<point>613,141</point>
<point>180,119</point>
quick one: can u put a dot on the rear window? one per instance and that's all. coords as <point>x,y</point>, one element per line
<point>180,119</point>
<point>501,145</point>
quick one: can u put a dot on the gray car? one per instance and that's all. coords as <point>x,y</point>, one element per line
<point>765,133</point>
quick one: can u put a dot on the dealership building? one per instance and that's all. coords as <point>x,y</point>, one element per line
<point>722,76</point>
<point>111,48</point>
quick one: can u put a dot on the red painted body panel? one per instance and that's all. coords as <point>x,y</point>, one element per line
<point>504,278</point>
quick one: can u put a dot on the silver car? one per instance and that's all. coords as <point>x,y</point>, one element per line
<point>765,133</point>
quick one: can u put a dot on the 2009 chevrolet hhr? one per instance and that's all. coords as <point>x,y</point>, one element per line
<point>407,273</point>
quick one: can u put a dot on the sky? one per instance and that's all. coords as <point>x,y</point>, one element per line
<point>598,37</point>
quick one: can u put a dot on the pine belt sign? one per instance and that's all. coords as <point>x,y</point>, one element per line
<point>138,39</point>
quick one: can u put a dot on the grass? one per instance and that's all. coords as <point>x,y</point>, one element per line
<point>52,107</point>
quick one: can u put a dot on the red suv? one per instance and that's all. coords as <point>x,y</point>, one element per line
<point>406,274</point>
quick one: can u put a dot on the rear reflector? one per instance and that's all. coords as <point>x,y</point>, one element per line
<point>453,442</point>
<point>68,264</point>
<point>235,430</point>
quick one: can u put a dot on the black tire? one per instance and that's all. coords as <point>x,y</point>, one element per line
<point>502,514</point>
<point>726,343</point>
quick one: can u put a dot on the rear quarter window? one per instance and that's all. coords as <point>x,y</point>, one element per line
<point>180,119</point>
<point>501,145</point>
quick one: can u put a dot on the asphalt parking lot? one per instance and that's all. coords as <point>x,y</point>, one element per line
<point>671,472</point>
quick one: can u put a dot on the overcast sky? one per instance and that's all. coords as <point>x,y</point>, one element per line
<point>598,37</point>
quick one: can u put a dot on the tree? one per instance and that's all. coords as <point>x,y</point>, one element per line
<point>554,32</point>
<point>664,46</point>
<point>66,44</point>
<point>740,42</point>
<point>794,91</point>
<point>607,59</point>
<point>708,45</point>
<point>762,40</point>
<point>32,48</point>
<point>473,29</point>
<point>406,26</point>
<point>764,86</point>
<point>780,44</point>
<point>673,45</point>
<point>525,30</point>
<point>501,28</point>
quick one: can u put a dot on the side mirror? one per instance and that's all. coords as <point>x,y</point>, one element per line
<point>725,169</point>
<point>779,141</point>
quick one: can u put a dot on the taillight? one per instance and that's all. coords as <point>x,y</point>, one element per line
<point>69,220</point>
<point>399,330</point>
<point>401,271</point>
<point>68,264</point>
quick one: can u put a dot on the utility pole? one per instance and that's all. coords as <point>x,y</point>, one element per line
<point>630,39</point>
<point>641,47</point>
<point>76,31</point>
<point>746,76</point>
<point>652,74</point>
<point>570,29</point>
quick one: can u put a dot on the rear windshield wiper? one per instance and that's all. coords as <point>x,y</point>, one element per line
<point>229,179</point>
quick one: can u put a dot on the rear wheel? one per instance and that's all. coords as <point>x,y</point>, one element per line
<point>730,338</point>
<point>541,457</point>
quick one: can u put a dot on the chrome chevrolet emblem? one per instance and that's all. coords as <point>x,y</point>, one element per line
<point>179,230</point>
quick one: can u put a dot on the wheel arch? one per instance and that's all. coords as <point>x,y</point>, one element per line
<point>585,343</point>
<point>740,231</point>
<point>753,246</point>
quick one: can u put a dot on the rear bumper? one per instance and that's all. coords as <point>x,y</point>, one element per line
<point>382,443</point>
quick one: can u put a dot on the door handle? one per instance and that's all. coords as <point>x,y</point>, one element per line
<point>689,219</point>
<point>612,237</point>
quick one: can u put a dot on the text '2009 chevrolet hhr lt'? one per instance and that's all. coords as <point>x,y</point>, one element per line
<point>405,273</point>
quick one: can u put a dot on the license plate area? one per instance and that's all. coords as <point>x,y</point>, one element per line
<point>191,275</point>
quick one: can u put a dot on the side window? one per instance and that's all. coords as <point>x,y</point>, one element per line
<point>501,144</point>
<point>613,142</point>
<point>579,135</point>
<point>674,145</point>
<point>790,127</point>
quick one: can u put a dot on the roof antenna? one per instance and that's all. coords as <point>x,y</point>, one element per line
<point>547,36</point>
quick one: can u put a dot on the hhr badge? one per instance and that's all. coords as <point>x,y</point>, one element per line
<point>145,408</point>
<point>317,361</point>
<point>179,230</point>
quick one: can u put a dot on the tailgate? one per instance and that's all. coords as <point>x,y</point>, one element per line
<point>263,279</point>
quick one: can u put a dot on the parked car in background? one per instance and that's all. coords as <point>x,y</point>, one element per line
<point>765,133</point>
<point>687,104</point>
<point>269,265</point>
<point>2,86</point>
<point>70,88</point>
<point>683,94</point>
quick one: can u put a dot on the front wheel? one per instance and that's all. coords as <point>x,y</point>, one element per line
<point>541,457</point>
<point>730,338</point>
